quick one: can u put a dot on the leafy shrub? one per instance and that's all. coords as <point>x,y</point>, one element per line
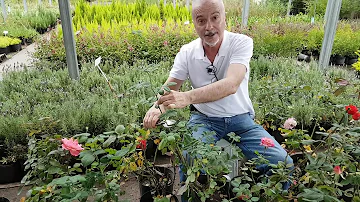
<point>285,89</point>
<point>153,41</point>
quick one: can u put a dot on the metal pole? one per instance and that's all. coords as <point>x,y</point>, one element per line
<point>164,2</point>
<point>50,2</point>
<point>245,13</point>
<point>330,31</point>
<point>69,41</point>
<point>25,6</point>
<point>328,8</point>
<point>174,3</point>
<point>3,9</point>
<point>39,1</point>
<point>289,8</point>
<point>187,4</point>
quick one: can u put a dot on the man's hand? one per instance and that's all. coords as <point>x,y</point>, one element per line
<point>151,117</point>
<point>175,99</point>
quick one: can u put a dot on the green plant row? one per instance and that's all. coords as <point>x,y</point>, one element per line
<point>152,40</point>
<point>89,105</point>
<point>118,11</point>
<point>7,41</point>
<point>30,24</point>
<point>157,40</point>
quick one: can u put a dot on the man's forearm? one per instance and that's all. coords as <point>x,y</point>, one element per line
<point>213,92</point>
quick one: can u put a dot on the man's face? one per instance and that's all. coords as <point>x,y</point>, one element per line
<point>209,20</point>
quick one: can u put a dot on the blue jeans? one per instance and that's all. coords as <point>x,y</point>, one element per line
<point>250,138</point>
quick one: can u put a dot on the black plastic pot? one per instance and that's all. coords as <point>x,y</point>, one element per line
<point>350,61</point>
<point>303,57</point>
<point>147,192</point>
<point>27,41</point>
<point>15,48</point>
<point>3,199</point>
<point>11,173</point>
<point>5,50</point>
<point>338,60</point>
<point>150,149</point>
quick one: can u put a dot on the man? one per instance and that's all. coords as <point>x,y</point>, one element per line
<point>217,64</point>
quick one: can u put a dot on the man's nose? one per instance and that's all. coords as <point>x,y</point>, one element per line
<point>209,25</point>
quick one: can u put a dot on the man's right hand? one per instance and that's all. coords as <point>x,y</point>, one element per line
<point>151,117</point>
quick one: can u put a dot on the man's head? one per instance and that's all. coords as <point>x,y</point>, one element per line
<point>209,20</point>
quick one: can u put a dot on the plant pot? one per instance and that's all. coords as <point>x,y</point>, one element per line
<point>147,191</point>
<point>5,50</point>
<point>350,60</point>
<point>15,48</point>
<point>3,199</point>
<point>27,41</point>
<point>338,60</point>
<point>11,173</point>
<point>303,57</point>
<point>150,149</point>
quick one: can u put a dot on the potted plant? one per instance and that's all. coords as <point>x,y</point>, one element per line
<point>15,45</point>
<point>4,45</point>
<point>11,161</point>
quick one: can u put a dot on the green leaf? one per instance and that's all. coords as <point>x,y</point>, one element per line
<point>162,144</point>
<point>122,152</point>
<point>110,140</point>
<point>76,165</point>
<point>119,129</point>
<point>307,88</point>
<point>192,177</point>
<point>182,190</point>
<point>212,184</point>
<point>83,139</point>
<point>82,134</point>
<point>340,90</point>
<point>169,113</point>
<point>77,178</point>
<point>87,159</point>
<point>356,199</point>
<point>255,198</point>
<point>53,170</point>
<point>307,142</point>
<point>167,89</point>
<point>60,181</point>
<point>171,84</point>
<point>54,162</point>
<point>328,198</point>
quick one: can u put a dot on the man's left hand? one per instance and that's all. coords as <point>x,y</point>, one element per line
<point>174,99</point>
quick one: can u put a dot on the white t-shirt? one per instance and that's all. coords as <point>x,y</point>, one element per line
<point>191,62</point>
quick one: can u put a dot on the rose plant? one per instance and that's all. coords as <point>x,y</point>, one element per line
<point>80,167</point>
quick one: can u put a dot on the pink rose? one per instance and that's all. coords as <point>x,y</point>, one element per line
<point>72,145</point>
<point>267,142</point>
<point>290,123</point>
<point>337,170</point>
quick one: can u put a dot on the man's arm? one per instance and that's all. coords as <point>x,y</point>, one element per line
<point>209,93</point>
<point>220,89</point>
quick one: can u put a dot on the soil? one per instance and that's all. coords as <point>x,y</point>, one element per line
<point>131,187</point>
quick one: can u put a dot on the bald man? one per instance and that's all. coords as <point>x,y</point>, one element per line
<point>218,67</point>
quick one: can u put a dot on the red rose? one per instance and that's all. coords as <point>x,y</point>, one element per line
<point>356,116</point>
<point>351,109</point>
<point>141,145</point>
